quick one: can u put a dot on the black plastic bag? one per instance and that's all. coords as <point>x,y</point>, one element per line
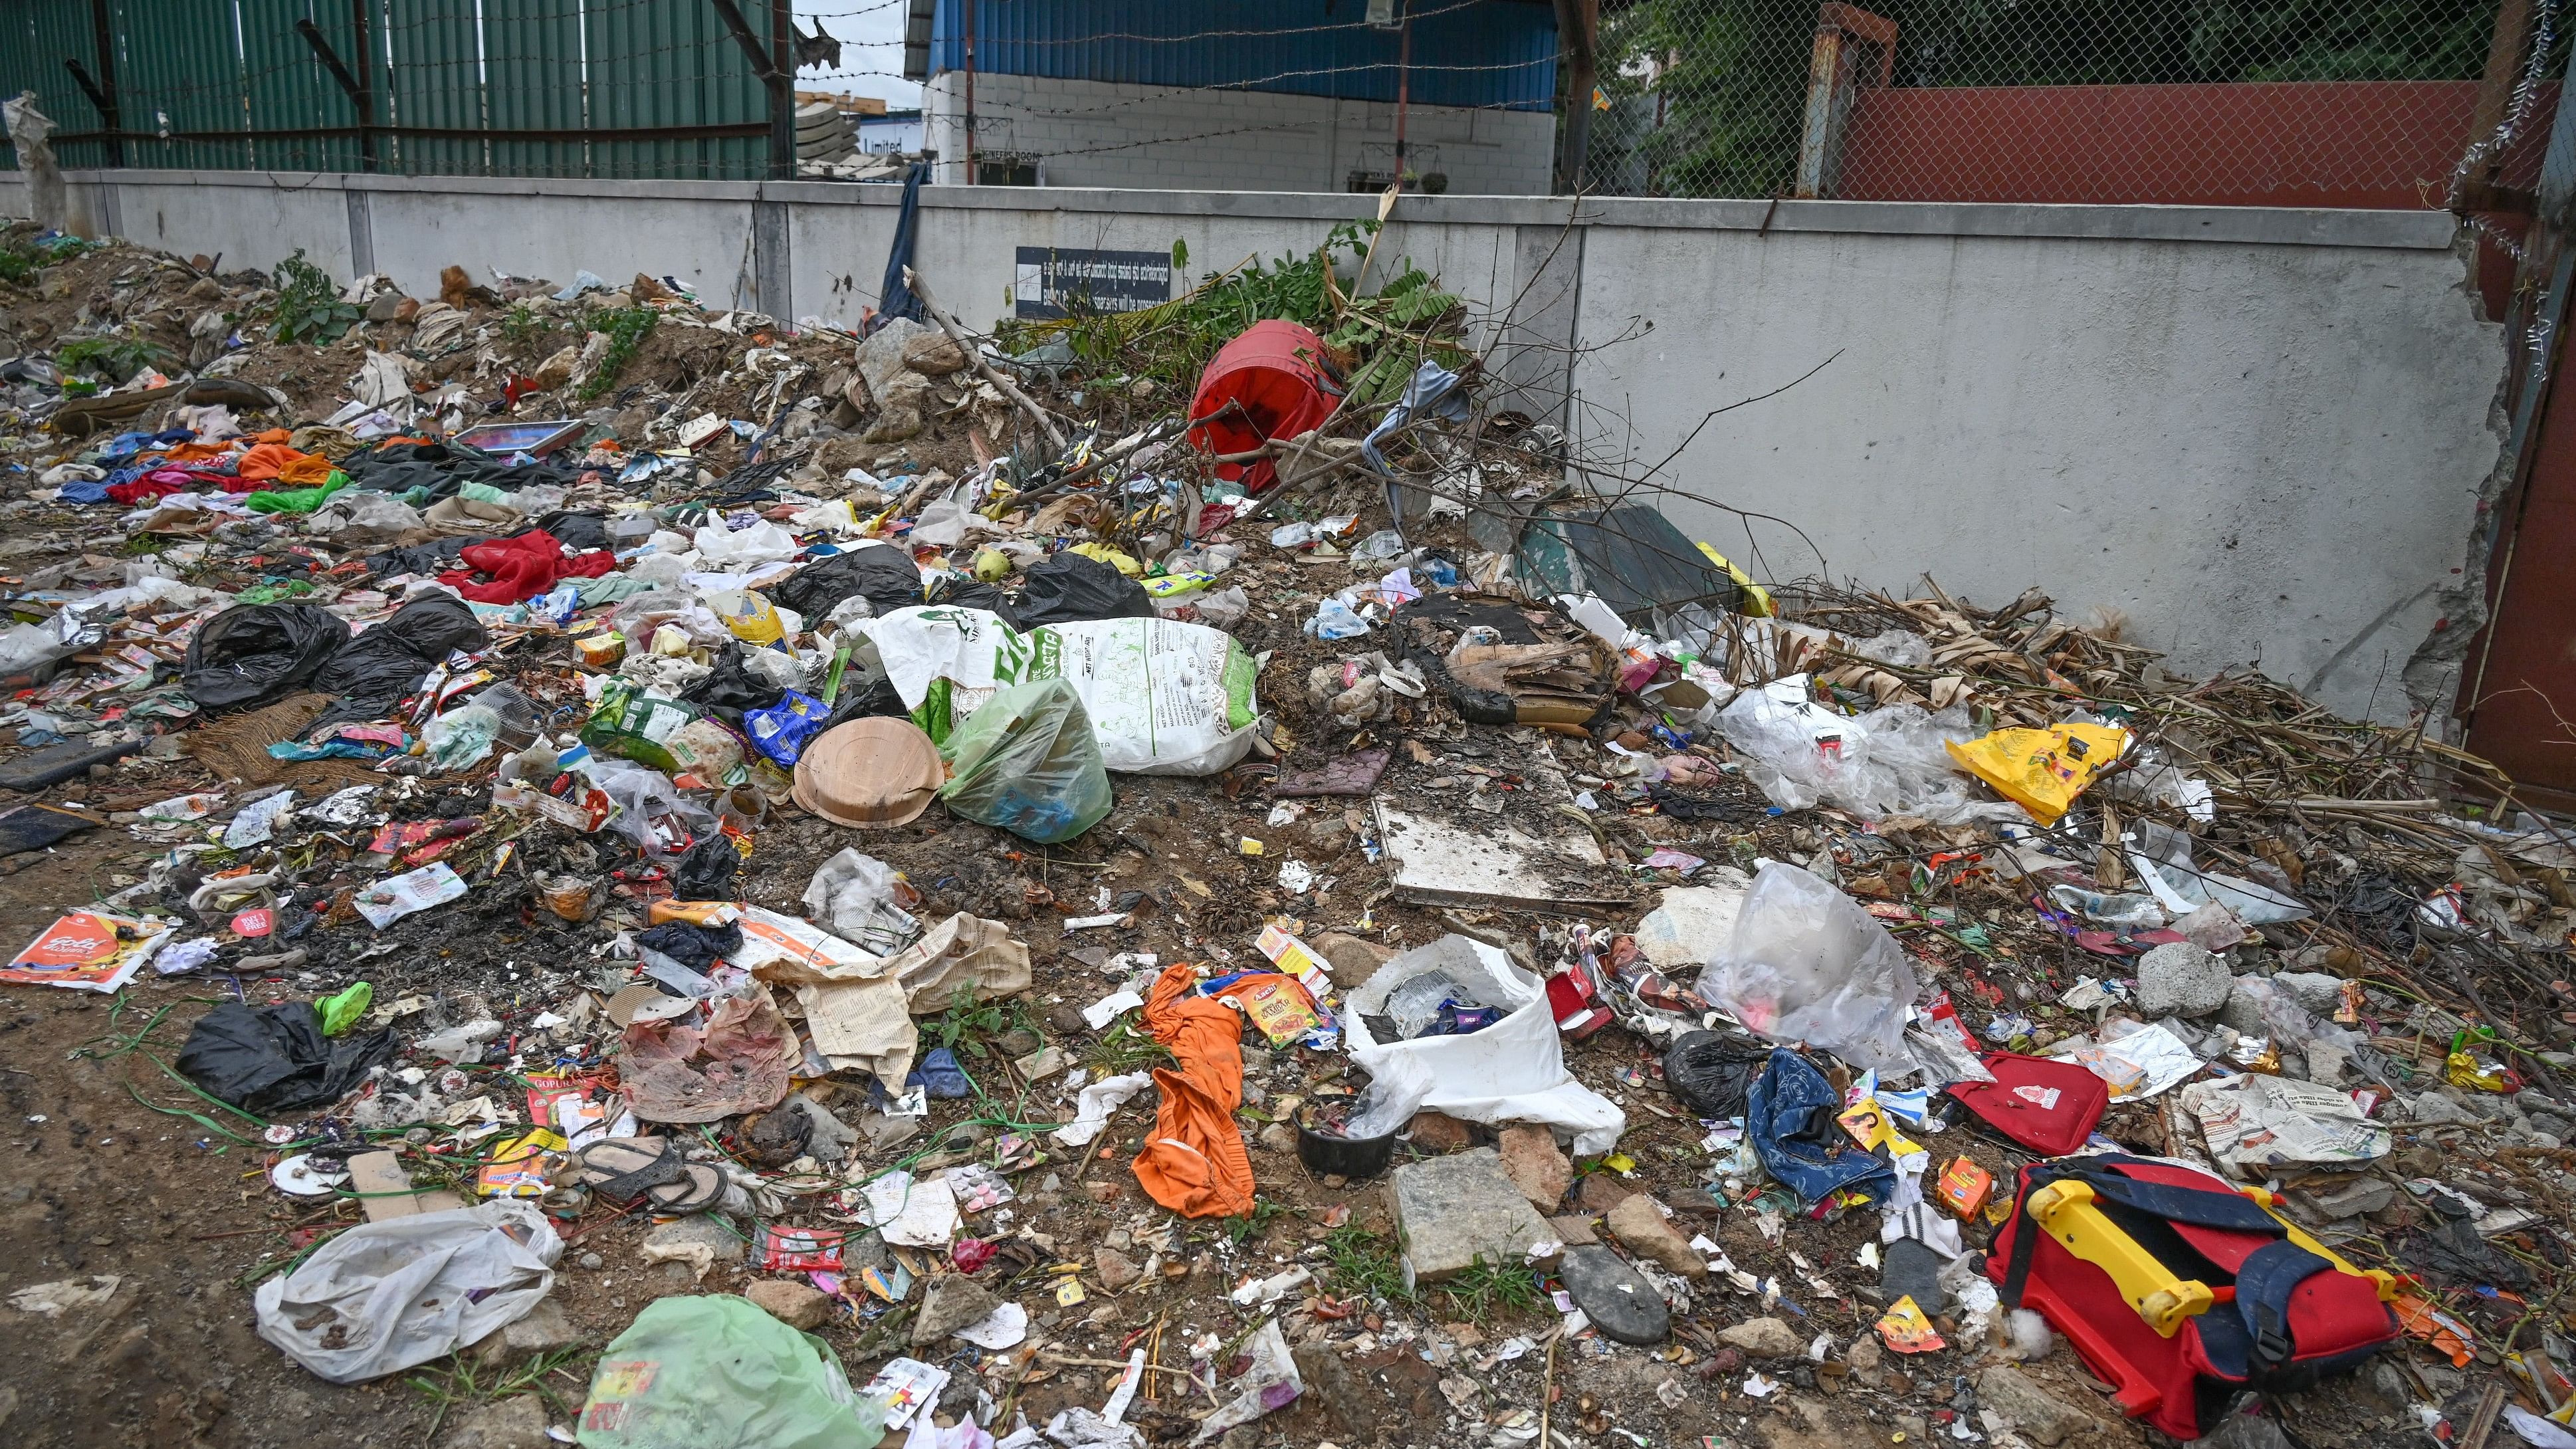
<point>967,593</point>
<point>256,653</point>
<point>272,1059</point>
<point>580,532</point>
<point>375,670</point>
<point>694,946</point>
<point>1711,1071</point>
<point>1069,588</point>
<point>732,688</point>
<point>870,697</point>
<point>706,872</point>
<point>885,575</point>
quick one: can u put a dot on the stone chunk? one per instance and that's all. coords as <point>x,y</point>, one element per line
<point>1764,1338</point>
<point>794,1304</point>
<point>1451,1212</point>
<point>1438,1132</point>
<point>954,1302</point>
<point>518,1423</point>
<point>2180,979</point>
<point>1640,1226</point>
<point>1574,1230</point>
<point>2010,1392</point>
<point>1115,1268</point>
<point>1532,1161</point>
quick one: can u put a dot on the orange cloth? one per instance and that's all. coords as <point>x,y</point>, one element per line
<point>273,435</point>
<point>311,470</point>
<point>191,452</point>
<point>268,460</point>
<point>1195,1163</point>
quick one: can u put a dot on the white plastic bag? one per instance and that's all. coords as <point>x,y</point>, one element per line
<point>1807,964</point>
<point>384,1296</point>
<point>1512,1071</point>
<point>1164,698</point>
<point>721,548</point>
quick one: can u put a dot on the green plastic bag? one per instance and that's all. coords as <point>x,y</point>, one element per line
<point>297,500</point>
<point>696,1372</point>
<point>1027,762</point>
<point>341,1012</point>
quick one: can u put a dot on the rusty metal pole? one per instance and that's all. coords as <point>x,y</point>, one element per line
<point>1578,27</point>
<point>782,92</point>
<point>1403,88</point>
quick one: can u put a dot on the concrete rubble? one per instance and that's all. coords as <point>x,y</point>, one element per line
<point>892,839</point>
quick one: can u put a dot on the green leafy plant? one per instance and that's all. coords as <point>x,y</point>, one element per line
<point>970,1022</point>
<point>626,327</point>
<point>1363,1263</point>
<point>308,306</point>
<point>1243,1229</point>
<point>456,1383</point>
<point>1373,340</point>
<point>522,326</point>
<point>1488,1290</point>
<point>22,258</point>
<point>114,358</point>
<point>1123,1049</point>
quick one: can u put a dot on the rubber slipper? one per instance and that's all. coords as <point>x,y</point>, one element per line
<point>700,1187</point>
<point>623,1169</point>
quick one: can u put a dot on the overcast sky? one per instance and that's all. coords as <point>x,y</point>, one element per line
<point>871,36</point>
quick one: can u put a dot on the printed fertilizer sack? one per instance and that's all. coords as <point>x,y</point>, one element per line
<point>1164,698</point>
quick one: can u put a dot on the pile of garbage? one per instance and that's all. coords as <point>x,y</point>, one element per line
<point>818,884</point>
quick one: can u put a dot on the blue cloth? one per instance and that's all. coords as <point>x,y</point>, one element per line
<point>894,298</point>
<point>87,490</point>
<point>126,445</point>
<point>1790,1116</point>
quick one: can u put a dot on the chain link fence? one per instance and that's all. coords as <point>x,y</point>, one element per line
<point>2367,103</point>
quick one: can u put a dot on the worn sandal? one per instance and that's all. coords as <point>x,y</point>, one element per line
<point>623,1169</point>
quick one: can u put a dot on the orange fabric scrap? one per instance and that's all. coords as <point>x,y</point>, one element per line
<point>269,460</point>
<point>1195,1163</point>
<point>310,471</point>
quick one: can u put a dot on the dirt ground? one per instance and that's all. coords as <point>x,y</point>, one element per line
<point>117,1168</point>
<point>114,1167</point>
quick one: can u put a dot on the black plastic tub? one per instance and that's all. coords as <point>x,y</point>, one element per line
<point>1351,1157</point>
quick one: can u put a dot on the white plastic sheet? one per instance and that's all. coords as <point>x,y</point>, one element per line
<point>1512,1071</point>
<point>384,1296</point>
<point>1807,964</point>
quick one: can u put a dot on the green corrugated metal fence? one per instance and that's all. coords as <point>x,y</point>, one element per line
<point>450,87</point>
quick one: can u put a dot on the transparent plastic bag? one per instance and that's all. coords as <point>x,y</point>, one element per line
<point>650,809</point>
<point>1807,963</point>
<point>864,901</point>
<point>1887,762</point>
<point>460,738</point>
<point>1026,761</point>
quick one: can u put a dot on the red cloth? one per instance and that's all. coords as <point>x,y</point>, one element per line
<point>148,489</point>
<point>1275,370</point>
<point>522,567</point>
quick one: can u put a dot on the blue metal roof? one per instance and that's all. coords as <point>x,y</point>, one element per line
<point>1499,53</point>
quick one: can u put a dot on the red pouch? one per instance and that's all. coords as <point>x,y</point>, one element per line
<point>2048,1106</point>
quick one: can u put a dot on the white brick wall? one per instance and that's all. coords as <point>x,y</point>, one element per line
<point>1092,133</point>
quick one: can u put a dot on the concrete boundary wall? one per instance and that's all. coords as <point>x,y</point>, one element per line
<point>2253,434</point>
